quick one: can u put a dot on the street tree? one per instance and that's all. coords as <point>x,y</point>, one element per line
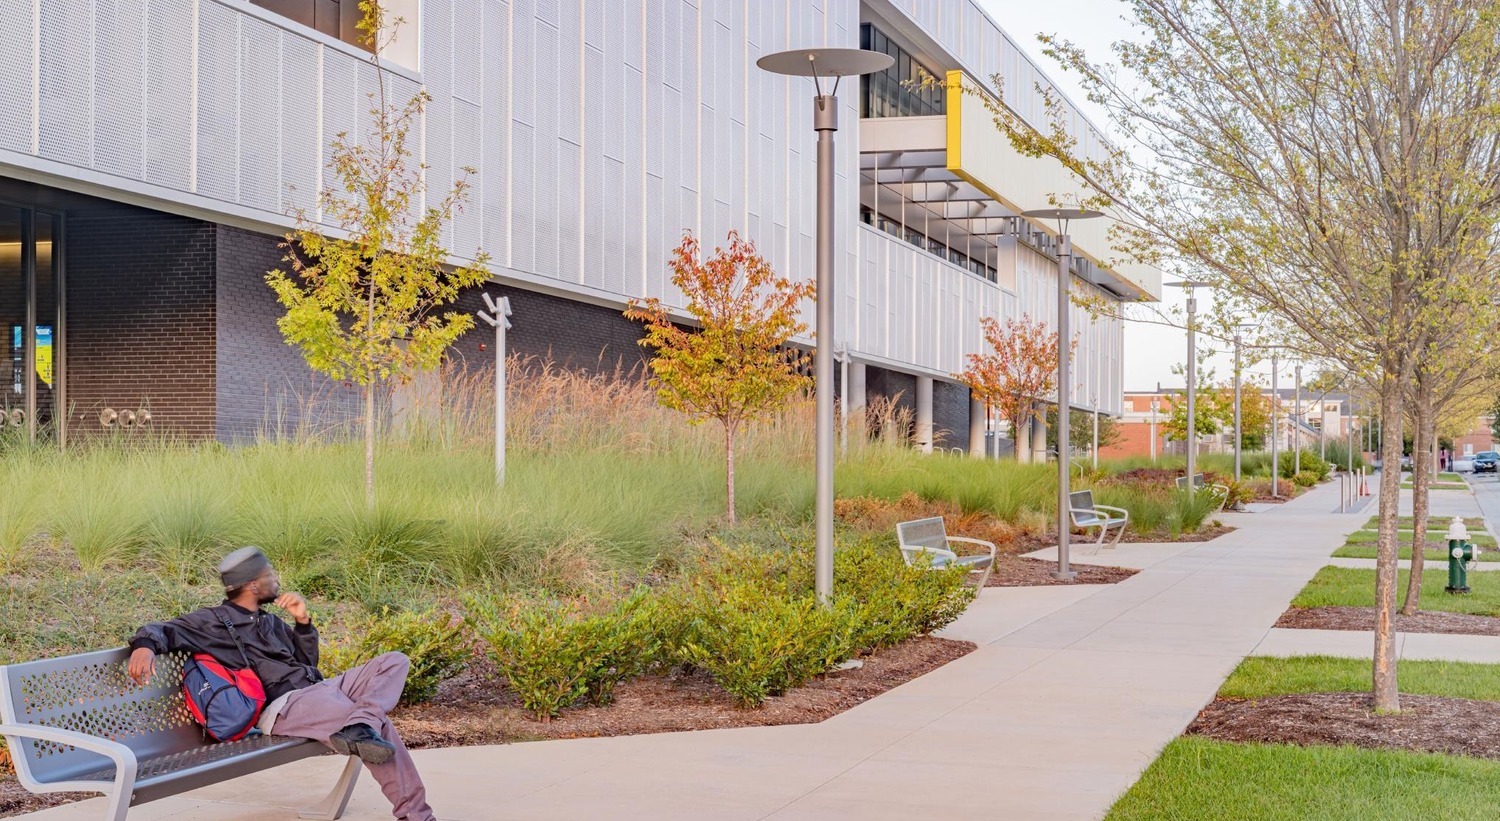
<point>363,281</point>
<point>1018,371</point>
<point>737,365</point>
<point>1328,163</point>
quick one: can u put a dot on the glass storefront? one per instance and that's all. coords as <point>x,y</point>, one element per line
<point>30,334</point>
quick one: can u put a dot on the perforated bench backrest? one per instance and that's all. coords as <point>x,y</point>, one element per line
<point>923,533</point>
<point>1198,481</point>
<point>90,693</point>
<point>1082,500</point>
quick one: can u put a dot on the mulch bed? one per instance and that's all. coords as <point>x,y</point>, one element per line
<point>473,709</point>
<point>15,800</point>
<point>1015,571</point>
<point>1430,724</point>
<point>1363,619</point>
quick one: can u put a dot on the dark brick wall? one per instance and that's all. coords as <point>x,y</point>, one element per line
<point>140,318</point>
<point>950,414</point>
<point>264,386</point>
<point>571,334</point>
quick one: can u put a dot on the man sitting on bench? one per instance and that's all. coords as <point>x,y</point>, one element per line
<point>346,712</point>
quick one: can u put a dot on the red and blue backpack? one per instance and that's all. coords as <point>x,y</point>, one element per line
<point>227,703</point>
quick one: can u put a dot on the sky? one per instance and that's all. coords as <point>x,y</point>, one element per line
<point>1151,350</point>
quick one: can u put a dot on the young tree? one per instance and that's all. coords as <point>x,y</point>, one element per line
<point>361,300</point>
<point>1327,163</point>
<point>736,367</point>
<point>1019,370</point>
<point>1081,430</point>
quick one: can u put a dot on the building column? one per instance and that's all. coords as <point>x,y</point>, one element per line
<point>1023,443</point>
<point>859,428</point>
<point>976,428</point>
<point>1039,439</point>
<point>924,413</point>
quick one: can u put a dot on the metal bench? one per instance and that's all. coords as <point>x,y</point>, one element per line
<point>1201,483</point>
<point>1085,514</point>
<point>80,724</point>
<point>929,539</point>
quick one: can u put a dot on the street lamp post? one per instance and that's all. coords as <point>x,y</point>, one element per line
<point>1153,430</point>
<point>1238,435</point>
<point>1301,417</point>
<point>1275,433</point>
<point>1095,400</point>
<point>1192,376</point>
<point>819,64</point>
<point>1064,386</point>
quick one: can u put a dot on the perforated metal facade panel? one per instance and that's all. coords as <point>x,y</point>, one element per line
<point>598,131</point>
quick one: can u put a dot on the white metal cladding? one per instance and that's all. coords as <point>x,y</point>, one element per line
<point>599,132</point>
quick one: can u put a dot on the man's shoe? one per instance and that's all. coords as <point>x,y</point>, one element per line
<point>363,741</point>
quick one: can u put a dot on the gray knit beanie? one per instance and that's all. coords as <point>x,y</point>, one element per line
<point>242,567</point>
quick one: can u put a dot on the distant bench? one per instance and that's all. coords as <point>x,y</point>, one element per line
<point>1200,483</point>
<point>80,724</point>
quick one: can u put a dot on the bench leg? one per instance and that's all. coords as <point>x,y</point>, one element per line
<point>119,805</point>
<point>1119,533</point>
<point>333,806</point>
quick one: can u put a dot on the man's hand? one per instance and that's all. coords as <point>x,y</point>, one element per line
<point>295,606</point>
<point>142,665</point>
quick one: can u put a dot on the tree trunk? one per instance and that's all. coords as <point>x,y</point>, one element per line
<point>370,446</point>
<point>729,471</point>
<point>1387,697</point>
<point>1425,424</point>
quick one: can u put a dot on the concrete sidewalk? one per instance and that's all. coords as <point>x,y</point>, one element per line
<point>1071,694</point>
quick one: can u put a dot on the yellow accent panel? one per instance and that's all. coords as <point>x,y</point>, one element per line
<point>955,107</point>
<point>1020,183</point>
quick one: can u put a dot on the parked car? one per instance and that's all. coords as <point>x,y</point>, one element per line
<point>1461,464</point>
<point>1486,461</point>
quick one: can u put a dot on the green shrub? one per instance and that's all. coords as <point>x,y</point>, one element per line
<point>556,653</point>
<point>1305,478</point>
<point>892,601</point>
<point>432,641</point>
<point>757,642</point>
<point>1288,465</point>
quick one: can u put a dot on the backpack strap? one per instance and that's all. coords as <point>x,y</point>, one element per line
<point>228,625</point>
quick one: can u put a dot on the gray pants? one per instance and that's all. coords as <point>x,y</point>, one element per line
<point>362,695</point>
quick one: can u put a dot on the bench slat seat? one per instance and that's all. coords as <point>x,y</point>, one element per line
<point>928,539</point>
<point>80,724</point>
<point>1085,513</point>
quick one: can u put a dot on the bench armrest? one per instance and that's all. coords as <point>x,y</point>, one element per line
<point>1112,507</point>
<point>980,542</point>
<point>122,756</point>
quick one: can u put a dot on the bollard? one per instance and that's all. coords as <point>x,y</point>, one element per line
<point>1343,494</point>
<point>1460,553</point>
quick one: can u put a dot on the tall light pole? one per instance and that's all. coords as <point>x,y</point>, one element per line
<point>1301,417</point>
<point>1064,386</point>
<point>1239,434</point>
<point>820,64</point>
<point>1095,400</point>
<point>1192,376</point>
<point>1153,430</point>
<point>1275,433</point>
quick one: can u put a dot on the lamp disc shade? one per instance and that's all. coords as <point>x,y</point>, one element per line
<point>826,62</point>
<point>1061,214</point>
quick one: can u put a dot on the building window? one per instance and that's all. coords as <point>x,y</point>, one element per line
<point>338,19</point>
<point>906,89</point>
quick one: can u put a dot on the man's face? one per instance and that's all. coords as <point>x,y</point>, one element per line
<point>268,586</point>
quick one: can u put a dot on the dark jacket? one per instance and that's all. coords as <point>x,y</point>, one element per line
<point>285,658</point>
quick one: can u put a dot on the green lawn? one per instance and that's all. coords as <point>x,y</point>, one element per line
<point>1197,778</point>
<point>1476,536</point>
<point>1351,587</point>
<point>1367,551</point>
<point>1263,676</point>
<point>1432,521</point>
